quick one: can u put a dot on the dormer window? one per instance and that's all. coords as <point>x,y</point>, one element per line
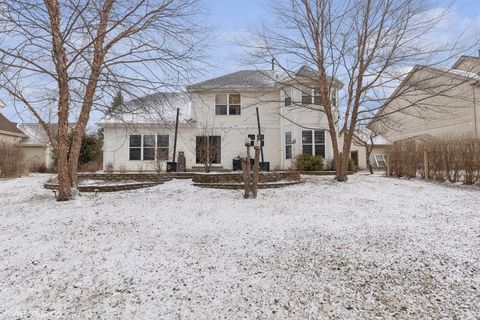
<point>227,104</point>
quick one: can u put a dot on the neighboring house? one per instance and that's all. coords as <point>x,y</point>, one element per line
<point>36,145</point>
<point>435,102</point>
<point>9,132</point>
<point>223,108</point>
<point>31,139</point>
<point>358,151</point>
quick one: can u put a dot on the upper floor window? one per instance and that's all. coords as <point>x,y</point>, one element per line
<point>288,97</point>
<point>316,96</point>
<point>227,104</point>
<point>306,95</point>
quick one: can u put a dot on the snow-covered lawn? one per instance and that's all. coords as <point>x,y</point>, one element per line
<point>370,248</point>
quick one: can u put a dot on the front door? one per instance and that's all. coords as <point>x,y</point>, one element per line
<point>354,156</point>
<point>208,149</point>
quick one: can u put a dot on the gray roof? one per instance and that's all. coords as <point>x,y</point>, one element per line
<point>255,79</point>
<point>241,79</point>
<point>35,134</point>
<point>8,126</point>
<point>158,108</point>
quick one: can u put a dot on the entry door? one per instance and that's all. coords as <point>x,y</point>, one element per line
<point>209,148</point>
<point>354,156</point>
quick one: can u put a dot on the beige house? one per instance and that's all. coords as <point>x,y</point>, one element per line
<point>9,133</point>
<point>224,109</point>
<point>31,139</point>
<point>435,102</point>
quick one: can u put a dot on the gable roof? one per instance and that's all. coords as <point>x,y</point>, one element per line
<point>454,73</point>
<point>465,58</point>
<point>240,79</point>
<point>157,108</point>
<point>257,79</point>
<point>10,127</point>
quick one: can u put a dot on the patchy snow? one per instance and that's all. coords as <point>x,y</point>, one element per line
<point>369,248</point>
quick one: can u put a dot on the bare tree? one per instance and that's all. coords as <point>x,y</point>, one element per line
<point>367,138</point>
<point>369,45</point>
<point>75,55</point>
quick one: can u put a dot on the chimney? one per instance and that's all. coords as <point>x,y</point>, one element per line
<point>273,63</point>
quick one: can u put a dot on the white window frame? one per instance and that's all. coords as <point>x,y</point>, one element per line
<point>142,146</point>
<point>314,144</point>
<point>289,145</point>
<point>228,104</point>
<point>287,93</point>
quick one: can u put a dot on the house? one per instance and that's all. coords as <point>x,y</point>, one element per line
<point>358,150</point>
<point>36,145</point>
<point>9,132</point>
<point>435,102</point>
<point>140,136</point>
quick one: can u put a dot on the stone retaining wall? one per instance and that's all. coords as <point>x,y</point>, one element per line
<point>136,176</point>
<point>238,177</point>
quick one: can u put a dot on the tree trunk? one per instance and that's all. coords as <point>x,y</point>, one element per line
<point>64,190</point>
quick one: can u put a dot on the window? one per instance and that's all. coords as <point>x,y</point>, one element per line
<point>288,97</point>
<point>208,149</point>
<point>316,96</point>
<point>380,160</point>
<point>148,147</point>
<point>306,95</point>
<point>234,104</point>
<point>288,145</point>
<point>320,143</point>
<point>221,104</point>
<point>307,142</point>
<point>227,104</point>
<point>313,142</point>
<point>333,99</point>
<point>162,147</point>
<point>135,147</point>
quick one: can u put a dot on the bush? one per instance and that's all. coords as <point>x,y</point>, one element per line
<point>92,166</point>
<point>11,161</point>
<point>307,162</point>
<point>450,160</point>
<point>351,165</point>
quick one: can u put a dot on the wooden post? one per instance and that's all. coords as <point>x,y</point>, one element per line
<point>246,172</point>
<point>256,168</point>
<point>245,178</point>
<point>388,165</point>
<point>426,169</point>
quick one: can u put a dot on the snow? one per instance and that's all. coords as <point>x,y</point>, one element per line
<point>369,248</point>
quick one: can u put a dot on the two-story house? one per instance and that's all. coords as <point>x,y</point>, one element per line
<point>140,135</point>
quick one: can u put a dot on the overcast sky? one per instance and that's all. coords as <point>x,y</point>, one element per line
<point>232,18</point>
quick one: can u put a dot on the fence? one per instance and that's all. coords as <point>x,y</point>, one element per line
<point>451,160</point>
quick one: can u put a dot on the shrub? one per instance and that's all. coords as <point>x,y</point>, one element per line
<point>11,161</point>
<point>109,168</point>
<point>450,160</point>
<point>92,166</point>
<point>351,165</point>
<point>307,162</point>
